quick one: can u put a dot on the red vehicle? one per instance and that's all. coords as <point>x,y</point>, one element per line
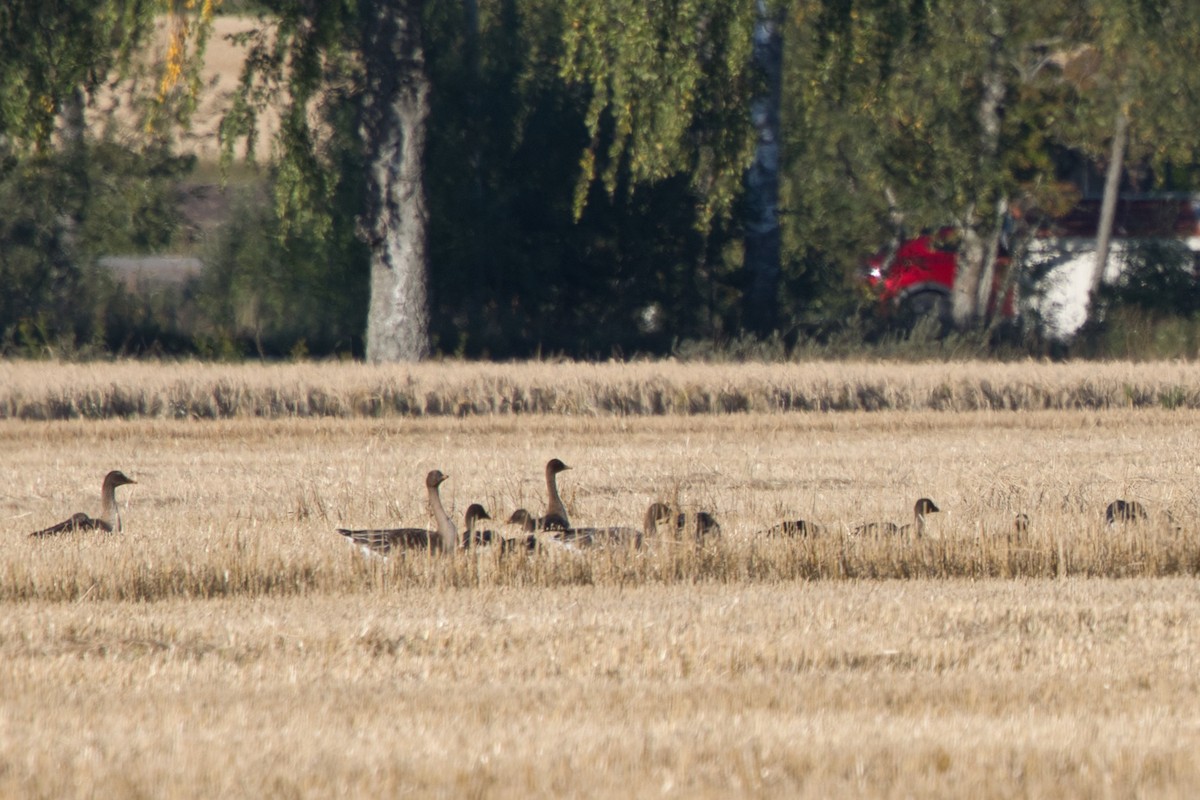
<point>918,279</point>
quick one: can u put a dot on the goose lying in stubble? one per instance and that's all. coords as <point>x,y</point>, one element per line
<point>383,541</point>
<point>572,538</point>
<point>793,528</point>
<point>527,541</point>
<point>1124,511</point>
<point>615,535</point>
<point>662,521</point>
<point>472,537</point>
<point>922,507</point>
<point>110,514</point>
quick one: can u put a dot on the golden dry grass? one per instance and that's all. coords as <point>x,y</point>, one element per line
<point>98,390</point>
<point>230,642</point>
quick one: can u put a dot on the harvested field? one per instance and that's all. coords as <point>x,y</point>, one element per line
<point>230,642</point>
<point>41,391</point>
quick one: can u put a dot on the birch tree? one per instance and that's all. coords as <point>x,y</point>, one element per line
<point>312,61</point>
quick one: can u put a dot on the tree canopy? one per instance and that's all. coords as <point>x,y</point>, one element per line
<point>502,178</point>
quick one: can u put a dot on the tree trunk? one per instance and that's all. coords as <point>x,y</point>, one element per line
<point>763,236</point>
<point>1108,205</point>
<point>974,253</point>
<point>985,292</point>
<point>395,109</point>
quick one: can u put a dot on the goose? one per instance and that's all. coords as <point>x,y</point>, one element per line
<point>382,541</point>
<point>793,528</point>
<point>556,513</point>
<point>1021,523</point>
<point>698,525</point>
<point>110,515</point>
<point>1124,511</point>
<point>922,507</point>
<point>527,541</point>
<point>556,518</point>
<point>472,537</point>
<point>598,537</point>
<point>527,521</point>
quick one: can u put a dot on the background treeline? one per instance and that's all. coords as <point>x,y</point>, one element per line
<point>880,135</point>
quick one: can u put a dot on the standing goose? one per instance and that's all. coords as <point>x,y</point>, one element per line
<point>556,513</point>
<point>382,541</point>
<point>697,525</point>
<point>922,507</point>
<point>556,518</point>
<point>110,514</point>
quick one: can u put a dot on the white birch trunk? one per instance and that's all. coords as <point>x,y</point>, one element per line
<point>394,224</point>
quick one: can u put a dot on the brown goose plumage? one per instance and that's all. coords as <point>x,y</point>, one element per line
<point>568,537</point>
<point>472,537</point>
<point>1125,511</point>
<point>661,520</point>
<point>110,514</point>
<point>599,537</point>
<point>794,528</point>
<point>556,518</point>
<point>922,507</point>
<point>384,540</point>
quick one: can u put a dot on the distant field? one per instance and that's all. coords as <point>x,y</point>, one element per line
<point>229,642</point>
<point>98,390</point>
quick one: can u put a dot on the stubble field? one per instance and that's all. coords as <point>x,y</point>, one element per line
<point>230,642</point>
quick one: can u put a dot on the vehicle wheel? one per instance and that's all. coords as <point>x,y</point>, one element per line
<point>927,305</point>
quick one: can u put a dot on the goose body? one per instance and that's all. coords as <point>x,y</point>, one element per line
<point>382,541</point>
<point>794,528</point>
<point>922,507</point>
<point>1124,511</point>
<point>599,537</point>
<point>110,515</point>
<point>662,520</point>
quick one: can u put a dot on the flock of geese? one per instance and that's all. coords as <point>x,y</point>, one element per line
<point>554,529</point>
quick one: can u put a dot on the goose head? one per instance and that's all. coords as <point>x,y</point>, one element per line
<point>117,478</point>
<point>925,506</point>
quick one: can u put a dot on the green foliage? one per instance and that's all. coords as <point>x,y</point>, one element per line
<point>123,202</point>
<point>267,287</point>
<point>669,86</point>
<point>1152,311</point>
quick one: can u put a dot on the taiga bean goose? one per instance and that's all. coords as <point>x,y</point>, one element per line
<point>1124,511</point>
<point>556,518</point>
<point>661,519</point>
<point>472,537</point>
<point>382,541</point>
<point>110,514</point>
<point>599,537</point>
<point>922,507</point>
<point>525,543</point>
<point>793,528</point>
<point>527,521</point>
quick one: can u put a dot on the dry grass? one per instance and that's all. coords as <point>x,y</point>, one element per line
<point>34,390</point>
<point>229,642</point>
